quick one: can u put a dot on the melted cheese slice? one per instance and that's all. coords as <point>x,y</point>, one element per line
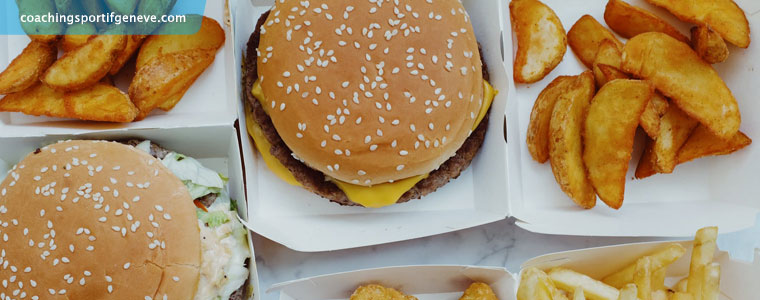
<point>375,196</point>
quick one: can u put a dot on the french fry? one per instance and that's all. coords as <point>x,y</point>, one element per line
<point>540,116</point>
<point>541,39</point>
<point>680,287</point>
<point>708,44</point>
<point>658,279</point>
<point>660,295</point>
<point>681,296</point>
<point>701,256</point>
<point>609,131</point>
<point>535,285</point>
<point>681,75</point>
<point>565,145</point>
<point>24,71</point>
<point>85,65</point>
<point>675,129</point>
<point>38,100</point>
<point>100,102</point>
<point>586,36</point>
<point>724,16</point>
<point>703,143</point>
<point>642,278</point>
<point>629,21</point>
<point>711,282</point>
<point>629,292</point>
<point>650,119</point>
<point>659,259</point>
<point>578,294</point>
<point>569,280</point>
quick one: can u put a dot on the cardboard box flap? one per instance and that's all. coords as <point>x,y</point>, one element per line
<point>426,282</point>
<point>210,101</point>
<point>717,190</point>
<point>303,221</point>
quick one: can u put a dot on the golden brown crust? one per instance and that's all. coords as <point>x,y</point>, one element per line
<point>24,71</point>
<point>541,39</point>
<point>629,21</point>
<point>586,36</point>
<point>724,16</point>
<point>87,226</point>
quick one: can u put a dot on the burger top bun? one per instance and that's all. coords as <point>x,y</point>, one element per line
<point>96,220</point>
<point>369,92</point>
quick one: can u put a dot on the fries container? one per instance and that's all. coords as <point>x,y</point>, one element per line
<point>216,147</point>
<point>303,221</point>
<point>738,279</point>
<point>211,100</point>
<point>713,191</point>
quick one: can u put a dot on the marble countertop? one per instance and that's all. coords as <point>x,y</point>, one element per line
<point>500,244</point>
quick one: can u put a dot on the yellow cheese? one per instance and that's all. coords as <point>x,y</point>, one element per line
<point>375,196</point>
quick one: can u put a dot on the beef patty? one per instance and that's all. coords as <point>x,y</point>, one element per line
<point>315,181</point>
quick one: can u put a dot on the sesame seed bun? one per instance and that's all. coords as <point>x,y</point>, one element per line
<point>368,93</point>
<point>97,220</point>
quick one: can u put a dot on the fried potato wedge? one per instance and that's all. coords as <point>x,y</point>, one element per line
<point>167,78</point>
<point>703,143</point>
<point>479,291</point>
<point>708,44</point>
<point>565,144</point>
<point>100,102</point>
<point>133,44</point>
<point>681,75</point>
<point>724,16</point>
<point>585,38</point>
<point>658,259</point>
<point>608,54</point>
<point>650,119</point>
<point>540,116</point>
<point>608,135</point>
<point>541,40</point>
<point>645,167</point>
<point>85,65</point>
<point>675,129</point>
<point>24,71</point>
<point>209,36</point>
<point>77,36</point>
<point>570,280</point>
<point>535,285</point>
<point>376,291</point>
<point>607,73</point>
<point>38,100</point>
<point>629,21</point>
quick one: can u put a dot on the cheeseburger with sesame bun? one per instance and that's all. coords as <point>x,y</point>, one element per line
<point>106,220</point>
<point>366,103</point>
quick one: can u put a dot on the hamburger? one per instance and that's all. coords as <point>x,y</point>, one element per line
<point>107,220</point>
<point>366,103</point>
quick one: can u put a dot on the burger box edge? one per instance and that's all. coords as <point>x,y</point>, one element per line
<point>198,107</point>
<point>202,143</point>
<point>434,282</point>
<point>305,222</point>
<point>709,191</point>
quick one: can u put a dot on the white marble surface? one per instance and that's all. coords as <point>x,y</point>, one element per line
<point>499,244</point>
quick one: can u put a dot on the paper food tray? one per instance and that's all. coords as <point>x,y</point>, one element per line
<point>210,101</point>
<point>215,147</point>
<point>303,221</point>
<point>709,191</point>
<point>738,279</point>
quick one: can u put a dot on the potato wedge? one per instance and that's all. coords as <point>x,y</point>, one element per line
<point>701,256</point>
<point>540,116</point>
<point>38,100</point>
<point>724,16</point>
<point>86,65</point>
<point>535,285</point>
<point>570,280</point>
<point>209,36</point>
<point>708,44</point>
<point>650,119</point>
<point>565,145</point>
<point>608,54</point>
<point>607,73</point>
<point>24,71</point>
<point>133,44</point>
<point>645,167</point>
<point>586,36</point>
<point>629,21</point>
<point>679,74</point>
<point>77,36</point>
<point>100,102</point>
<point>541,39</point>
<point>608,135</point>
<point>478,291</point>
<point>167,78</point>
<point>659,259</point>
<point>629,292</point>
<point>703,143</point>
<point>675,129</point>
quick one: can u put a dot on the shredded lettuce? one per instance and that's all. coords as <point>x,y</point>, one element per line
<point>200,181</point>
<point>144,146</point>
<point>212,219</point>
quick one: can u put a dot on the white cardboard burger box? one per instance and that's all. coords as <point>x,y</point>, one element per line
<point>216,147</point>
<point>437,282</point>
<point>305,222</point>
<point>209,101</point>
<point>719,191</point>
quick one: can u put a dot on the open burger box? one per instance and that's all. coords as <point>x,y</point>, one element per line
<point>738,279</point>
<point>503,181</point>
<point>202,125</point>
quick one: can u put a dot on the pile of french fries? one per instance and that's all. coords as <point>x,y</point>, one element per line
<point>658,80</point>
<point>642,279</point>
<point>78,85</point>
